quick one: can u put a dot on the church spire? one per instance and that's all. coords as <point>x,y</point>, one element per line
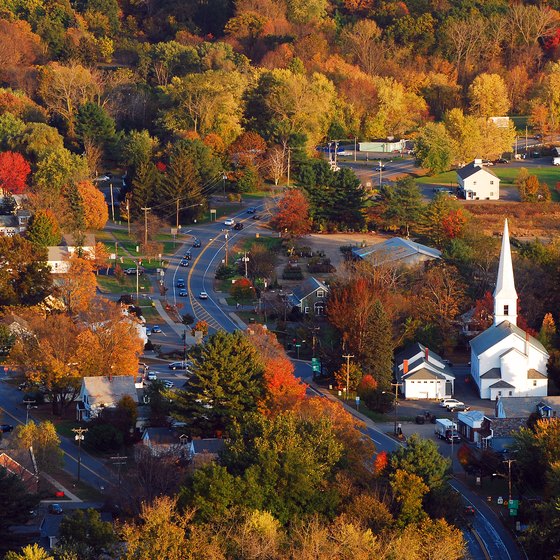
<point>505,296</point>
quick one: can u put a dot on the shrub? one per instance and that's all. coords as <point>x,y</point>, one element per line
<point>379,401</point>
<point>226,271</point>
<point>104,437</point>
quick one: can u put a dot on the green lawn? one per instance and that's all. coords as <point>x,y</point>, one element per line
<point>271,243</point>
<point>128,286</point>
<point>545,173</point>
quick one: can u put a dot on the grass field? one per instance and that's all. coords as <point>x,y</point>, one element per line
<point>271,243</point>
<point>111,285</point>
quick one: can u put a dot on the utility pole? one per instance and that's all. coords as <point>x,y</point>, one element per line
<point>118,461</point>
<point>227,237</point>
<point>245,260</point>
<point>112,202</point>
<point>509,462</point>
<point>347,357</point>
<point>335,154</point>
<point>177,221</point>
<point>526,138</point>
<point>128,213</point>
<point>355,148</point>
<point>137,282</point>
<point>27,404</point>
<point>224,177</point>
<point>145,210</point>
<point>79,438</point>
<point>289,165</point>
<point>396,386</point>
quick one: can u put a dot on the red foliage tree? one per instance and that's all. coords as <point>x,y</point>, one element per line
<point>453,223</point>
<point>292,217</point>
<point>380,463</point>
<point>483,312</point>
<point>14,171</point>
<point>247,149</point>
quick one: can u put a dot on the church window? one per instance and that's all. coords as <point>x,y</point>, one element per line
<point>534,383</point>
<point>510,393</point>
<point>499,393</point>
<point>506,309</point>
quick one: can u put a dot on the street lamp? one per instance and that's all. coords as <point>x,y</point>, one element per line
<point>28,404</point>
<point>79,437</point>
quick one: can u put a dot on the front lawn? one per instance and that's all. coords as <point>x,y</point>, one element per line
<point>110,284</point>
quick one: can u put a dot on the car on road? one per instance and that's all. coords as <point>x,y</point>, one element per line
<point>238,226</point>
<point>178,365</point>
<point>501,160</point>
<point>444,402</point>
<point>229,222</point>
<point>203,295</point>
<point>152,376</point>
<point>196,243</point>
<point>251,210</point>
<point>131,271</point>
<point>55,509</point>
<point>168,384</point>
<point>256,217</point>
<point>148,332</point>
<point>156,329</point>
<point>380,168</point>
<point>469,510</point>
<point>180,283</point>
<point>184,263</point>
<point>188,256</point>
<point>102,178</point>
<point>5,428</point>
<point>183,293</point>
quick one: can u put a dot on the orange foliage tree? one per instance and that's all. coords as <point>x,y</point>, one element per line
<point>77,287</point>
<point>292,215</point>
<point>95,207</point>
<point>283,391</point>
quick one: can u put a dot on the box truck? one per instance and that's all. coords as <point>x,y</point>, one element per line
<point>447,430</point>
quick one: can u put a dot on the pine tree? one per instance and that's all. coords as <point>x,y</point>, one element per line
<point>43,229</point>
<point>181,182</point>
<point>348,200</point>
<point>378,352</point>
<point>226,384</point>
<point>94,124</point>
<point>77,214</point>
<point>144,187</point>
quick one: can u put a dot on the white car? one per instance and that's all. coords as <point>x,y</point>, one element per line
<point>229,222</point>
<point>203,295</point>
<point>444,403</point>
<point>151,376</point>
<point>102,178</point>
<point>168,384</point>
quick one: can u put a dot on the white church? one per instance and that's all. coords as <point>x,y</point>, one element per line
<point>505,360</point>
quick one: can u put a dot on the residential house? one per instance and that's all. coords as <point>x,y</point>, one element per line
<point>397,251</point>
<point>23,465</point>
<point>99,393</point>
<point>204,451</point>
<point>477,182</point>
<point>50,528</point>
<point>14,224</point>
<point>87,246</point>
<point>309,297</point>
<point>164,441</point>
<point>59,256</point>
<point>523,407</point>
<point>423,374</point>
<point>506,360</point>
<point>474,426</point>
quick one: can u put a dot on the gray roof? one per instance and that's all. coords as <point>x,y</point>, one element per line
<point>394,250</point>
<point>102,390</point>
<point>471,169</point>
<point>522,407</point>
<point>307,287</point>
<point>162,436</point>
<point>502,385</point>
<point>9,221</point>
<point>424,373</point>
<point>412,350</point>
<point>210,445</point>
<point>496,333</point>
<point>494,373</point>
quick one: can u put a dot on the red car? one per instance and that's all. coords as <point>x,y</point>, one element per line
<point>469,510</point>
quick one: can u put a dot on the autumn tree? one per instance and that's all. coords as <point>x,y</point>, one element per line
<point>547,334</point>
<point>408,491</point>
<point>488,96</point>
<point>247,148</point>
<point>14,170</point>
<point>483,315</point>
<point>443,219</point>
<point>363,41</point>
<point>243,290</point>
<point>435,148</point>
<point>95,208</point>
<point>29,552</point>
<point>45,442</point>
<point>77,287</point>
<point>292,215</point>
<point>43,229</point>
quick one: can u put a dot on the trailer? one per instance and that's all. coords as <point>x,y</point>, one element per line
<point>443,426</point>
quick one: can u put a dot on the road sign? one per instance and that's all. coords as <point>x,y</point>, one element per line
<point>513,504</point>
<point>512,512</point>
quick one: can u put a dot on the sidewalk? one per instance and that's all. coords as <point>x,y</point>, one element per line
<point>177,327</point>
<point>60,488</point>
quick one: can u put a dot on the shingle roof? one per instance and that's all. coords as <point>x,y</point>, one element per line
<point>210,445</point>
<point>9,221</point>
<point>412,350</point>
<point>502,385</point>
<point>102,390</point>
<point>424,373</point>
<point>534,374</point>
<point>496,333</point>
<point>522,407</point>
<point>471,169</point>
<point>494,373</point>
<point>394,250</point>
<point>162,436</point>
<point>473,415</point>
<point>307,287</point>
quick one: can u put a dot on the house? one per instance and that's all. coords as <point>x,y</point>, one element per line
<point>23,465</point>
<point>87,245</point>
<point>474,426</point>
<point>309,297</point>
<point>163,441</point>
<point>204,451</point>
<point>477,182</point>
<point>14,224</point>
<point>59,256</point>
<point>523,407</point>
<point>397,251</point>
<point>98,393</point>
<point>423,374</point>
<point>505,360</point>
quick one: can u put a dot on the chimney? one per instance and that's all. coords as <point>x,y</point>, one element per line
<point>405,367</point>
<point>477,162</point>
<point>427,354</point>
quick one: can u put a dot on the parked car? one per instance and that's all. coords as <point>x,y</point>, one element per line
<point>156,329</point>
<point>168,384</point>
<point>152,376</point>
<point>184,263</point>
<point>183,293</point>
<point>459,408</point>
<point>5,428</point>
<point>487,162</point>
<point>177,365</point>
<point>131,271</point>
<point>55,509</point>
<point>501,160</point>
<point>443,402</point>
<point>229,222</point>
<point>238,226</point>
<point>203,295</point>
<point>196,243</point>
<point>102,178</point>
<point>453,405</point>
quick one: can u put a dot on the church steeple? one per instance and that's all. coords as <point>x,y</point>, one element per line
<point>505,296</point>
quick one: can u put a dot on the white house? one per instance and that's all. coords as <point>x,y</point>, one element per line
<point>98,393</point>
<point>59,256</point>
<point>14,224</point>
<point>397,251</point>
<point>477,182</point>
<point>505,360</point>
<point>423,374</point>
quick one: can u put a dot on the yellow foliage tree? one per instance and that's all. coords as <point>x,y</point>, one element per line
<point>95,208</point>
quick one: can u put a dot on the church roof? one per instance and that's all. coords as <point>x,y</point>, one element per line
<point>505,283</point>
<point>494,373</point>
<point>502,385</point>
<point>496,333</point>
<point>534,374</point>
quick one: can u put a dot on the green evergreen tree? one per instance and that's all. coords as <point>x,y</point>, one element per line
<point>8,204</point>
<point>226,384</point>
<point>348,200</point>
<point>93,123</point>
<point>181,182</point>
<point>403,203</point>
<point>378,352</point>
<point>43,229</point>
<point>145,186</point>
<point>77,218</point>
